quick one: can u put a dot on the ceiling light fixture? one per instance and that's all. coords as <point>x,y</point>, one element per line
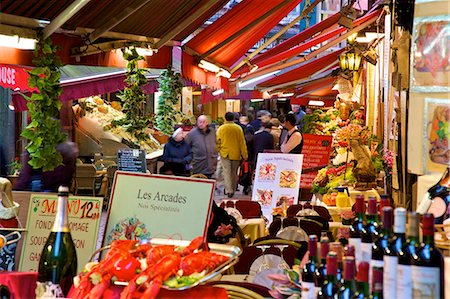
<point>316,103</point>
<point>217,92</point>
<point>223,73</point>
<point>146,51</point>
<point>208,66</point>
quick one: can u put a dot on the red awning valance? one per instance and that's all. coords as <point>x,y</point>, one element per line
<point>234,20</point>
<point>319,87</point>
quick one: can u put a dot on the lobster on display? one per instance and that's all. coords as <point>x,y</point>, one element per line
<point>145,268</point>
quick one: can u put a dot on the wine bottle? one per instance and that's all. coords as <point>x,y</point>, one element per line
<point>384,202</point>
<point>308,272</point>
<point>330,288</point>
<point>337,247</point>
<point>362,281</point>
<point>382,242</point>
<point>370,230</point>
<point>58,262</point>
<point>390,255</point>
<point>348,287</point>
<point>321,271</point>
<point>377,283</point>
<point>405,256</point>
<point>428,264</point>
<point>357,227</point>
<point>437,199</point>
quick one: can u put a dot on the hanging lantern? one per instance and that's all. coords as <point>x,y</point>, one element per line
<point>350,61</point>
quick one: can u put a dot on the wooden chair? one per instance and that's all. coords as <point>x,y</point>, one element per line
<point>110,171</point>
<point>290,221</point>
<point>311,227</point>
<point>86,178</point>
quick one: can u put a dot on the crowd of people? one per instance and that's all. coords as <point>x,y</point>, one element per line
<point>219,152</point>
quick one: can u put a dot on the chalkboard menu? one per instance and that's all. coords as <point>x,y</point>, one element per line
<point>131,160</point>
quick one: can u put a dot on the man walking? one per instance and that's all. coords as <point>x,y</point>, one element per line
<point>202,140</point>
<point>231,147</point>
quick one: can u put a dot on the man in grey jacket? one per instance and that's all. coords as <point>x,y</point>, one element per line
<point>202,140</point>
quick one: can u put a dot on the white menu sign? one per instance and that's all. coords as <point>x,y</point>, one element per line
<point>277,180</point>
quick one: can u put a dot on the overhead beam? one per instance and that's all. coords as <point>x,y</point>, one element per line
<point>64,16</point>
<point>20,31</point>
<point>98,48</point>
<point>244,29</point>
<point>114,21</point>
<point>186,22</point>
<point>304,13</point>
<point>284,64</point>
<point>117,35</point>
<point>20,21</point>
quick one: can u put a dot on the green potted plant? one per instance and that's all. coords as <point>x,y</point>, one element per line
<point>44,131</point>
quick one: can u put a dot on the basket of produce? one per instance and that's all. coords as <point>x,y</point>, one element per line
<point>141,269</point>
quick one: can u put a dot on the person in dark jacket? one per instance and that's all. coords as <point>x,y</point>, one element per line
<point>35,180</point>
<point>177,154</point>
<point>263,140</point>
<point>202,140</point>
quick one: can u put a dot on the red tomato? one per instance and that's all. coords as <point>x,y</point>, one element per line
<point>125,268</point>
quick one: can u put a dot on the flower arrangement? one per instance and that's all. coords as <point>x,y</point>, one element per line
<point>347,216</point>
<point>279,211</point>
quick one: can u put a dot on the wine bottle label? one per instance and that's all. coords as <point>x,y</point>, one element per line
<point>389,276</point>
<point>404,281</point>
<point>48,290</point>
<point>308,290</point>
<point>356,242</point>
<point>366,252</point>
<point>374,263</point>
<point>425,281</point>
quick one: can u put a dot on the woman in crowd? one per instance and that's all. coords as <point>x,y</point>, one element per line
<point>177,154</point>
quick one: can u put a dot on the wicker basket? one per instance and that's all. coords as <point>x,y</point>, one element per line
<point>442,237</point>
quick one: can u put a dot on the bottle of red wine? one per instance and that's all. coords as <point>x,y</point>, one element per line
<point>348,287</point>
<point>58,262</point>
<point>405,256</point>
<point>370,230</point>
<point>390,255</point>
<point>309,270</point>
<point>384,202</point>
<point>321,271</point>
<point>437,200</point>
<point>362,281</point>
<point>377,283</point>
<point>428,264</point>
<point>337,247</point>
<point>329,289</point>
<point>382,242</point>
<point>357,227</point>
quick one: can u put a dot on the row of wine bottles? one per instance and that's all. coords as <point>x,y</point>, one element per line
<point>391,260</point>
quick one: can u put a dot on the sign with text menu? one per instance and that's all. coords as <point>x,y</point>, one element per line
<point>131,160</point>
<point>316,151</point>
<point>84,222</point>
<point>277,181</point>
<point>158,206</point>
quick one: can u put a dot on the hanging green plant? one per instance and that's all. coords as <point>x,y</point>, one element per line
<point>133,98</point>
<point>170,86</point>
<point>44,131</point>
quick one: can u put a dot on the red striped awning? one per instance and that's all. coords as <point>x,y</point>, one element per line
<point>234,20</point>
<point>305,70</point>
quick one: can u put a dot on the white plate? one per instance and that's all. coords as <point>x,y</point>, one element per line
<point>272,261</point>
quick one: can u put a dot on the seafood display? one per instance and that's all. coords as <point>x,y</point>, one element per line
<point>144,268</point>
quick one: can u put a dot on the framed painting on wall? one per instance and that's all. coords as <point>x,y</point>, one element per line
<point>430,61</point>
<point>436,152</point>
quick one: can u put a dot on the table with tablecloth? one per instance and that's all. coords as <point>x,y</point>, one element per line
<point>339,230</point>
<point>22,286</point>
<point>254,228</point>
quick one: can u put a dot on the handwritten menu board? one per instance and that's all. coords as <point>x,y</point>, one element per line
<point>84,222</point>
<point>147,206</point>
<point>277,181</point>
<point>131,160</point>
<point>316,151</point>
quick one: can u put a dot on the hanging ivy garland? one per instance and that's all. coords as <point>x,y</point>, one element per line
<point>133,98</point>
<point>170,86</point>
<point>44,131</point>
